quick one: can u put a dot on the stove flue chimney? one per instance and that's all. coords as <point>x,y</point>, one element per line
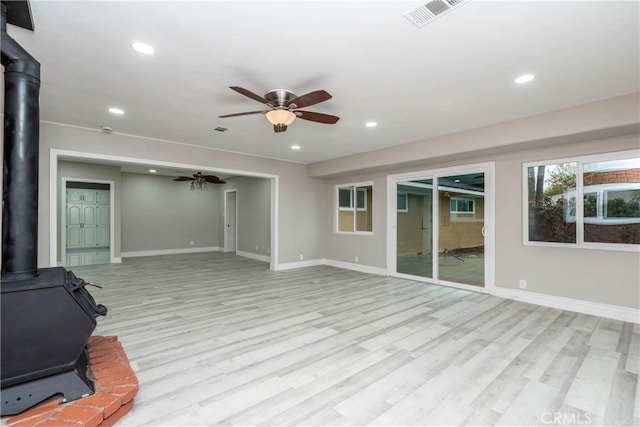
<point>20,171</point>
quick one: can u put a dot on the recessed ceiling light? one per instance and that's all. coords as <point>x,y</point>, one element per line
<point>153,170</point>
<point>371,124</point>
<point>525,78</point>
<point>143,48</point>
<point>118,111</point>
<point>295,147</point>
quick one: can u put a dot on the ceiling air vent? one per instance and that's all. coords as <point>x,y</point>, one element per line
<point>428,12</point>
<point>221,129</point>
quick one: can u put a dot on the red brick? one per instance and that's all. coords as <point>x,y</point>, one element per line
<point>58,423</point>
<point>105,362</point>
<point>108,386</point>
<point>31,421</point>
<point>109,422</point>
<point>99,352</point>
<point>115,370</point>
<point>119,381</point>
<point>106,403</point>
<point>126,392</point>
<point>102,347</point>
<point>89,417</point>
<point>98,339</point>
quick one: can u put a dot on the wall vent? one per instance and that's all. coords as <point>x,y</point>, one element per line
<point>428,12</point>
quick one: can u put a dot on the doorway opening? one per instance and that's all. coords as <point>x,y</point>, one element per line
<point>230,220</point>
<point>86,222</point>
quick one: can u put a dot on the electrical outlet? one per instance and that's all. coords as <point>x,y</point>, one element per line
<point>257,250</point>
<point>357,258</point>
<point>523,284</point>
<point>301,256</point>
<point>192,242</point>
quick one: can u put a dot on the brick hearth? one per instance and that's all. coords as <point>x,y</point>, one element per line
<point>115,385</point>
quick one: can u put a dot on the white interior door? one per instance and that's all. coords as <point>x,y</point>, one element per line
<point>230,220</point>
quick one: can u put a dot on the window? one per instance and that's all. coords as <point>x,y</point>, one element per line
<point>589,201</point>
<point>345,198</point>
<point>551,202</point>
<point>462,206</point>
<point>361,199</point>
<point>355,210</point>
<point>403,202</point>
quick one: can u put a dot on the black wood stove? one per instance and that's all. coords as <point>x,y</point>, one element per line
<point>47,315</point>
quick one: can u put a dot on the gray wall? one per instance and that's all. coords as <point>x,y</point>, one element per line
<point>159,214</point>
<point>300,197</point>
<point>605,277</point>
<point>254,213</point>
<point>79,171</point>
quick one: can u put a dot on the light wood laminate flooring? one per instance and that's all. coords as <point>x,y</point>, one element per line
<point>217,339</point>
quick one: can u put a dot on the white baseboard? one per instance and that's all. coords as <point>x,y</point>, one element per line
<point>254,256</point>
<point>332,263</point>
<point>625,314</point>
<point>356,267</point>
<point>298,264</point>
<point>170,251</point>
<point>115,260</point>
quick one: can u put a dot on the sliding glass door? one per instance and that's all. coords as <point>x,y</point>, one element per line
<point>440,229</point>
<point>461,229</point>
<point>415,227</point>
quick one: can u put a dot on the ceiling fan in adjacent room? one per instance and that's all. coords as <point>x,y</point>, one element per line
<point>199,181</point>
<point>284,107</point>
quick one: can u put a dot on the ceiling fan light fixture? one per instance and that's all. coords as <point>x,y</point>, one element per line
<point>280,117</point>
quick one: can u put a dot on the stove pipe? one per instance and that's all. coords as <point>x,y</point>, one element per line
<point>20,166</point>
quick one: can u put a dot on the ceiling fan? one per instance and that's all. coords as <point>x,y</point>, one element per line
<point>199,181</point>
<point>284,107</point>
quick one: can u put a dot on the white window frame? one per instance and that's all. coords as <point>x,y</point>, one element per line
<point>354,207</point>
<point>473,206</point>
<point>578,192</point>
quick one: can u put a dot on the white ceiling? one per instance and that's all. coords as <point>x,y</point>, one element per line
<point>453,74</point>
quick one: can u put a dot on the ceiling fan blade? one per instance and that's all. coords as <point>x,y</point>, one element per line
<point>241,114</point>
<point>250,94</point>
<point>317,117</point>
<point>211,178</point>
<point>310,98</point>
<point>183,178</point>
